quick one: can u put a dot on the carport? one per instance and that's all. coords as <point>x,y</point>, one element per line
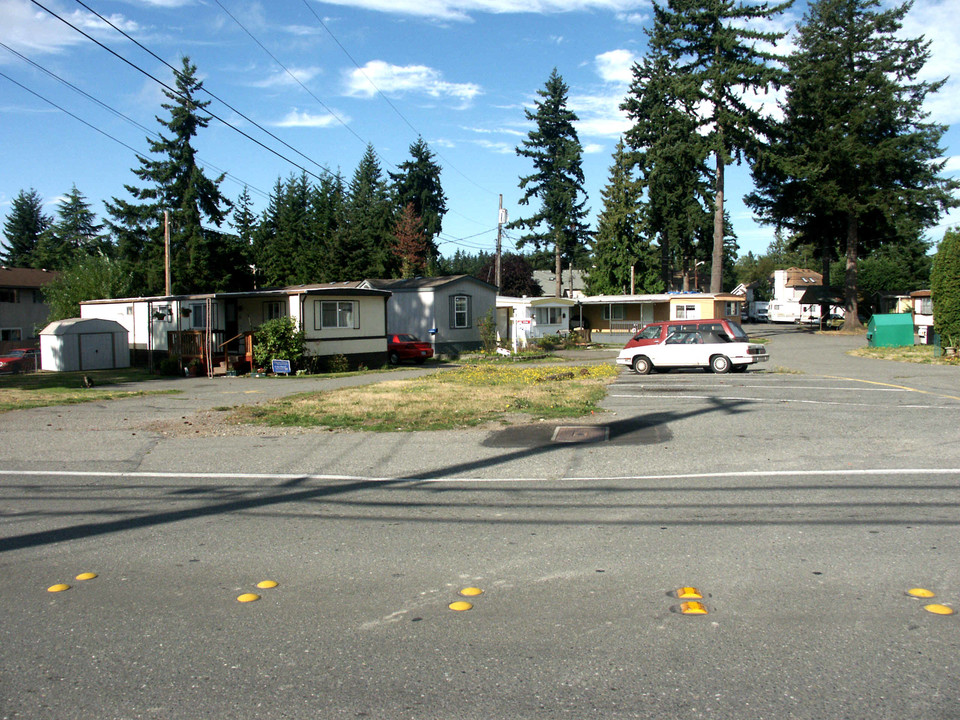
<point>78,344</point>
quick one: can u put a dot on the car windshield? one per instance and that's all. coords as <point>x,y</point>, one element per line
<point>650,332</point>
<point>16,353</point>
<point>406,338</point>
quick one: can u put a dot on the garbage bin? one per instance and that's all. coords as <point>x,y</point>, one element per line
<point>890,330</point>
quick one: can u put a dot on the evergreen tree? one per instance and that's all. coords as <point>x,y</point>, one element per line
<point>175,183</point>
<point>716,56</point>
<point>854,159</point>
<point>418,182</point>
<point>368,234</point>
<point>618,245</point>
<point>75,233</point>
<point>244,220</point>
<point>23,228</point>
<point>327,213</point>
<point>463,263</point>
<point>945,289</point>
<point>670,156</point>
<point>557,180</point>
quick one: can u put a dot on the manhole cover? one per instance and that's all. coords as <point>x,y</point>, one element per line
<point>580,434</point>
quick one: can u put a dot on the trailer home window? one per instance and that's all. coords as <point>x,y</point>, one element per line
<point>337,314</point>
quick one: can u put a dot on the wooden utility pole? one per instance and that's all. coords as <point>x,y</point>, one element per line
<point>501,219</point>
<point>166,253</point>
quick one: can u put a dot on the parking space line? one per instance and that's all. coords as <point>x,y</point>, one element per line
<point>901,387</point>
<point>780,401</point>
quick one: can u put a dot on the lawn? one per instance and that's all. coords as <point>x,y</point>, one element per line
<point>459,398</point>
<point>18,392</point>
<point>913,354</point>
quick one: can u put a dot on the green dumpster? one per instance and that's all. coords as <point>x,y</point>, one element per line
<point>890,330</point>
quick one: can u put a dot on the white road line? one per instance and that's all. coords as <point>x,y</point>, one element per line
<point>844,472</point>
<point>782,401</point>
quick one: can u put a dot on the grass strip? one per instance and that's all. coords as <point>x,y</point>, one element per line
<point>19,392</point>
<point>461,398</point>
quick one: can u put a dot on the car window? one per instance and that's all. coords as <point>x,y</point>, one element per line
<point>406,338</point>
<point>738,331</point>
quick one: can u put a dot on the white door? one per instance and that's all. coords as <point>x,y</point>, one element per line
<point>96,351</point>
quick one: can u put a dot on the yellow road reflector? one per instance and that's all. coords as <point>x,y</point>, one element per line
<point>689,593</point>
<point>248,597</point>
<point>264,584</point>
<point>59,587</point>
<point>460,605</point>
<point>471,591</point>
<point>86,576</point>
<point>693,608</point>
<point>939,609</point>
<point>920,593</point>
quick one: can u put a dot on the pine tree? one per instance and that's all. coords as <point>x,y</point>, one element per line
<point>557,180</point>
<point>618,246</point>
<point>854,159</point>
<point>175,183</point>
<point>327,213</point>
<point>23,228</point>
<point>670,158</point>
<point>418,182</point>
<point>717,61</point>
<point>368,235</point>
<point>74,234</point>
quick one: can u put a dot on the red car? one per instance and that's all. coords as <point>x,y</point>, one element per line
<point>20,360</point>
<point>402,347</point>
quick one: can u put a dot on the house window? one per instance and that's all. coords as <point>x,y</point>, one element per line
<point>731,308</point>
<point>198,316</point>
<point>338,314</point>
<point>8,295</point>
<point>272,310</point>
<point>613,312</point>
<point>687,312</point>
<point>11,334</point>
<point>926,306</point>
<point>460,312</point>
<point>548,316</point>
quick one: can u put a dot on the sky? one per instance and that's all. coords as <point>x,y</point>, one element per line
<point>307,85</point>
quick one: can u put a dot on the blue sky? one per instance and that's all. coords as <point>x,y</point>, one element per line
<point>329,77</point>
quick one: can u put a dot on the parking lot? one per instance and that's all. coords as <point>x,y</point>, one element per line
<point>803,501</point>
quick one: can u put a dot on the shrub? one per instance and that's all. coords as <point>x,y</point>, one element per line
<point>338,364</point>
<point>945,289</point>
<point>278,339</point>
<point>488,332</point>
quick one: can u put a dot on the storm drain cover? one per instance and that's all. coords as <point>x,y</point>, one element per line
<point>580,434</point>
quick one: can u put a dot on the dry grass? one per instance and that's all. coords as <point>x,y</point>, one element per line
<point>911,354</point>
<point>465,397</point>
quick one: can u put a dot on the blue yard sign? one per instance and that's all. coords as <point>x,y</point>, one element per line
<point>281,367</point>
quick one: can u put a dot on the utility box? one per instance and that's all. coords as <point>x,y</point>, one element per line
<point>890,330</point>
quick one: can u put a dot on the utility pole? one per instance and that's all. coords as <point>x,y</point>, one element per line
<point>501,219</point>
<point>166,253</point>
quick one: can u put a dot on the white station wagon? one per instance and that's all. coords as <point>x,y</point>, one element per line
<point>709,350</point>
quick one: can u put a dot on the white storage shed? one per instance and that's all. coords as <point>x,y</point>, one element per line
<point>84,344</point>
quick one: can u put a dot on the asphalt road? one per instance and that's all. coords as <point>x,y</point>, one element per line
<point>803,501</point>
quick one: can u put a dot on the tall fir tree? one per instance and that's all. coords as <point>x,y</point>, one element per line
<point>327,213</point>
<point>367,240</point>
<point>418,183</point>
<point>557,180</point>
<point>854,159</point>
<point>622,257</point>
<point>200,260</point>
<point>717,57</point>
<point>24,227</point>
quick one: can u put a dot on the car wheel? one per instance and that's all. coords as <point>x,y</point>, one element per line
<point>642,365</point>
<point>394,359</point>
<point>720,364</point>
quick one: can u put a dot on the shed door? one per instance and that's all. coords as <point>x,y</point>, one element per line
<point>96,351</point>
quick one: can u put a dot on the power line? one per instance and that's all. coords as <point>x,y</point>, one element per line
<point>385,98</point>
<point>177,73</point>
<point>117,113</point>
<point>173,92</point>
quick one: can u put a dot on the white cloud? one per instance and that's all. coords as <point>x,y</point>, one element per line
<point>616,66</point>
<point>952,164</point>
<point>25,27</point>
<point>398,80</point>
<point>939,22</point>
<point>296,118</point>
<point>593,149</point>
<point>461,9</point>
<point>295,76</point>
